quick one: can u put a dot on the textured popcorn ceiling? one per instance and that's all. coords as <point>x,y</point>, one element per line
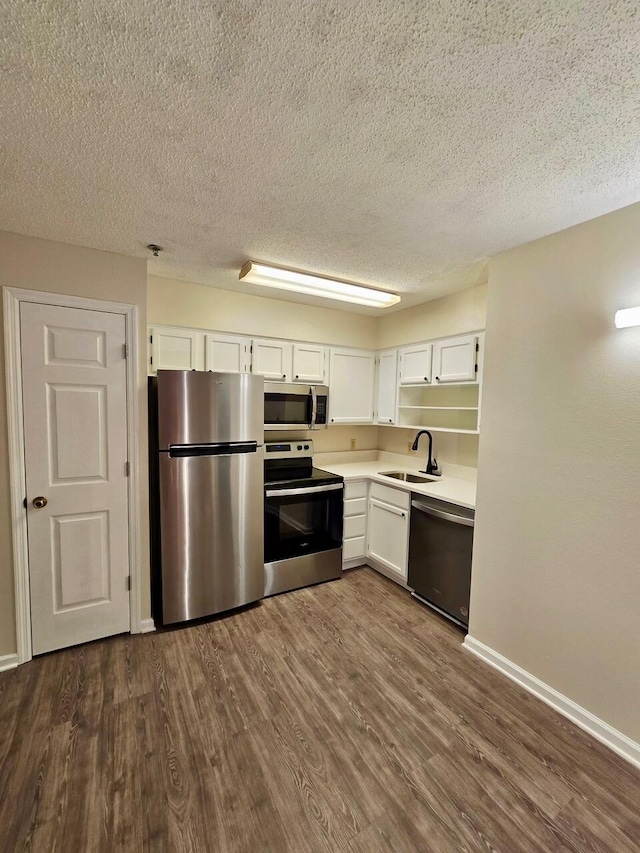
<point>393,143</point>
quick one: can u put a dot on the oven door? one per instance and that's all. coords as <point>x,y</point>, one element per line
<point>288,406</point>
<point>301,521</point>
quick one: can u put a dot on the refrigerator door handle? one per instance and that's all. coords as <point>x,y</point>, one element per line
<point>223,448</point>
<point>438,513</point>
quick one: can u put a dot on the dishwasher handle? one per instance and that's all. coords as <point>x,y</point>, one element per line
<point>438,513</point>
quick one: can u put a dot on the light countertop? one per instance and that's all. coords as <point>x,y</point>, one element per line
<point>457,485</point>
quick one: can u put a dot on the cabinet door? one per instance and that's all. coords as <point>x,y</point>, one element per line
<point>351,384</point>
<point>308,363</point>
<point>176,349</point>
<point>227,353</point>
<point>387,387</point>
<point>454,359</point>
<point>415,364</point>
<point>272,359</point>
<point>388,535</point>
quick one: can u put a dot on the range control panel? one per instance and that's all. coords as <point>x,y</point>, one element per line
<point>289,449</point>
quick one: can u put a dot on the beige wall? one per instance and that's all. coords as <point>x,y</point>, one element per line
<point>465,311</point>
<point>35,264</point>
<point>180,303</point>
<point>556,571</point>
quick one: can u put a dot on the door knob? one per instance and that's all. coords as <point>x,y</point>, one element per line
<point>40,502</point>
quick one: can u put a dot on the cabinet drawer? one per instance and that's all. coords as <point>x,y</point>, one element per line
<point>358,489</point>
<point>355,506</point>
<point>395,497</point>
<point>352,548</point>
<point>355,526</point>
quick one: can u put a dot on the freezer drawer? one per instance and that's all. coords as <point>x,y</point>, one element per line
<point>211,528</point>
<point>440,549</point>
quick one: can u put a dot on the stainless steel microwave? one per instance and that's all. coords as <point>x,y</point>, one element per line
<point>289,406</point>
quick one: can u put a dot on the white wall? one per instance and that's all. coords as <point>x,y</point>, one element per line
<point>34,264</point>
<point>556,571</point>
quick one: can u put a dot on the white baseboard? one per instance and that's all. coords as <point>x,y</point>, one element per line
<point>8,662</point>
<point>606,734</point>
<point>147,625</point>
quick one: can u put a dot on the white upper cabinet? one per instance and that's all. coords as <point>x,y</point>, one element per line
<point>176,349</point>
<point>386,386</point>
<point>227,353</point>
<point>351,386</point>
<point>272,359</point>
<point>309,363</point>
<point>454,359</point>
<point>415,364</point>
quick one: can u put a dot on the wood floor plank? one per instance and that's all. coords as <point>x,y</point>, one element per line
<point>342,717</point>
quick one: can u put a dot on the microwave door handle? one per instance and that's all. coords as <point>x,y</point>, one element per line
<point>314,407</point>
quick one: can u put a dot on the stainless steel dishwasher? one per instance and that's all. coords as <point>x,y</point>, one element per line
<point>440,547</point>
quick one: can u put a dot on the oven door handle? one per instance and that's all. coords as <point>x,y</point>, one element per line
<point>310,490</point>
<point>314,407</point>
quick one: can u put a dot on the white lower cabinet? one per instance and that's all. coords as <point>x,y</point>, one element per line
<point>388,529</point>
<point>355,524</point>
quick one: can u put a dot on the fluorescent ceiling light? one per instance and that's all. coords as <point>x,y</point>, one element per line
<point>315,285</point>
<point>627,317</point>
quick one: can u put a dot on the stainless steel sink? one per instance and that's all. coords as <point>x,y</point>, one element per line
<point>407,477</point>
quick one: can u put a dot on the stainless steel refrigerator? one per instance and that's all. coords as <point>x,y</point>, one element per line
<point>207,492</point>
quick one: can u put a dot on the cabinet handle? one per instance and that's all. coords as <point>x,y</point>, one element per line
<point>297,376</point>
<point>437,379</point>
<point>426,378</point>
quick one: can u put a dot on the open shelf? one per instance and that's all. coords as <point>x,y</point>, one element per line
<point>442,408</point>
<point>436,429</point>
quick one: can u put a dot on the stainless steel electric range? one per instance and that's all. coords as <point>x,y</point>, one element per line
<point>302,518</point>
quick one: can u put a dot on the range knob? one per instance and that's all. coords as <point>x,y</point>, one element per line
<point>306,447</point>
<point>299,447</point>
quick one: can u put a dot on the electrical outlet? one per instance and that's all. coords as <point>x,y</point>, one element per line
<point>353,444</point>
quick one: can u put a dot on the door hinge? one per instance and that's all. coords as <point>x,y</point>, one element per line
<point>476,368</point>
<point>25,503</point>
<point>477,347</point>
<point>125,351</point>
<point>127,468</point>
<point>150,339</point>
<point>129,583</point>
<point>151,360</point>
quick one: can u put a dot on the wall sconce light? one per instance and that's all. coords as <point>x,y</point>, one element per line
<point>627,317</point>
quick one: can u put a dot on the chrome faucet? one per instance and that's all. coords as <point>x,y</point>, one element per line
<point>432,464</point>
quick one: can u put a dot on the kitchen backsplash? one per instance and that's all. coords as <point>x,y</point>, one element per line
<point>448,447</point>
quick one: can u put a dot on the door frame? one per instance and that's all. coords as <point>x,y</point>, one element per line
<point>12,298</point>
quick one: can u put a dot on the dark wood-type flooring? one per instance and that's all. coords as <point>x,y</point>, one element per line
<point>344,717</point>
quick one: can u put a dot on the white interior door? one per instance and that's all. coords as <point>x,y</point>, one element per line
<point>75,432</point>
